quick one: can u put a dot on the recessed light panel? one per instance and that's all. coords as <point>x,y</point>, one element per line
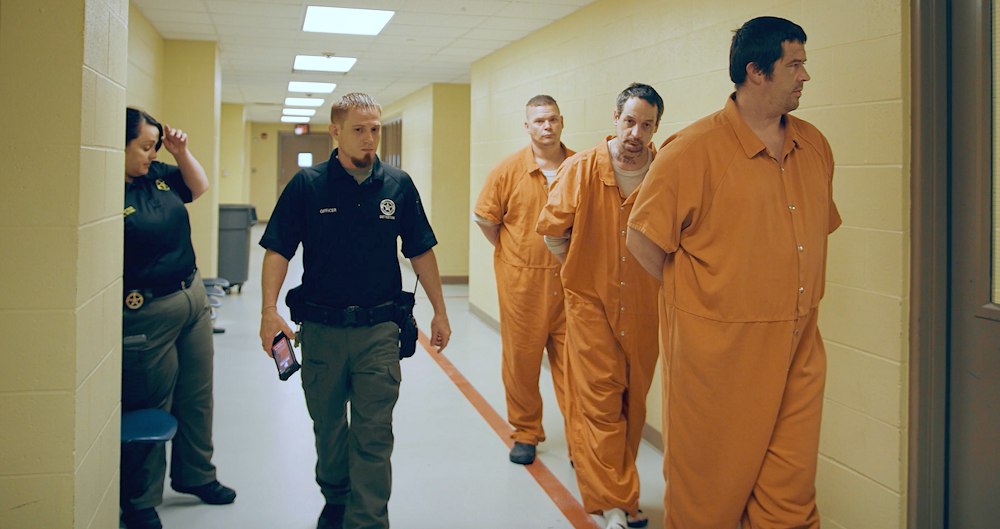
<point>294,119</point>
<point>298,112</point>
<point>303,102</point>
<point>344,20</point>
<point>311,88</point>
<point>319,63</point>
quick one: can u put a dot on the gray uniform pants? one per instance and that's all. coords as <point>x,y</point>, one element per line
<point>172,371</point>
<point>360,365</point>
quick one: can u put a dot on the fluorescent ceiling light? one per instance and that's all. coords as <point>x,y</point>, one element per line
<point>345,20</point>
<point>311,88</point>
<point>303,102</point>
<point>298,112</point>
<point>294,119</point>
<point>324,64</point>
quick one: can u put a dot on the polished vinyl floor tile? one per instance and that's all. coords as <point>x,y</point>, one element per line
<point>450,467</point>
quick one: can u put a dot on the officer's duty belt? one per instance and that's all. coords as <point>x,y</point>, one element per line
<point>146,294</point>
<point>352,316</point>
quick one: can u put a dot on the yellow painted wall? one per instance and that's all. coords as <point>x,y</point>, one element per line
<point>192,101</point>
<point>232,156</point>
<point>145,64</point>
<point>436,156</point>
<point>60,218</point>
<point>264,166</point>
<point>859,95</point>
<point>247,166</point>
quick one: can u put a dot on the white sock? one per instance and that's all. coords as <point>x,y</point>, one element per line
<point>615,519</point>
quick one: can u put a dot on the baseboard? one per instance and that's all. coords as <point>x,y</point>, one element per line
<point>485,317</point>
<point>454,280</point>
<point>653,437</point>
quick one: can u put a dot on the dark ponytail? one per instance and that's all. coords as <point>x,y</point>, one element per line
<point>134,120</point>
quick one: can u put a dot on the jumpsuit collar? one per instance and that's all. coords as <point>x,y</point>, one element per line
<point>606,169</point>
<point>752,145</point>
<point>532,165</point>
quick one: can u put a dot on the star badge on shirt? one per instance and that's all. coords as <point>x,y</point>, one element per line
<point>134,300</point>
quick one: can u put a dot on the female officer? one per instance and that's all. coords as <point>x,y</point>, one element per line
<point>165,300</point>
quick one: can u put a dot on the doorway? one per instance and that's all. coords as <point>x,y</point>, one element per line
<point>297,151</point>
<point>954,474</point>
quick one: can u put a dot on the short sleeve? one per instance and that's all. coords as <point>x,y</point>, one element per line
<point>416,232</point>
<point>559,212</point>
<point>492,201</point>
<point>285,228</point>
<point>171,175</point>
<point>671,195</point>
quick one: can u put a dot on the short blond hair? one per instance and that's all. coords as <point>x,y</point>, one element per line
<point>358,100</point>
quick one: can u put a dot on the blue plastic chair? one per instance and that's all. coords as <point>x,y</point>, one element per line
<point>146,425</point>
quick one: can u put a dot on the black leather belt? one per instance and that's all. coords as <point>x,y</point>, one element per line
<point>134,298</point>
<point>353,316</point>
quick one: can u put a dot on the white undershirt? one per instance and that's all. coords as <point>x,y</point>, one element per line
<point>550,175</point>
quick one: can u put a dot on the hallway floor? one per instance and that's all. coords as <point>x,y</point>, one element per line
<point>450,466</point>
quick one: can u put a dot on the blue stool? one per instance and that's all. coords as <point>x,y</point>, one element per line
<point>148,426</point>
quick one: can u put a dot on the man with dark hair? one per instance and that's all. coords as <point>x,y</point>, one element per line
<point>734,219</point>
<point>610,307</point>
<point>528,286</point>
<point>348,213</point>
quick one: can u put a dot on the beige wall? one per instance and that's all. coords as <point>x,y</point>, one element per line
<point>145,64</point>
<point>233,183</point>
<point>64,70</point>
<point>192,102</point>
<point>858,96</point>
<point>264,166</point>
<point>436,156</point>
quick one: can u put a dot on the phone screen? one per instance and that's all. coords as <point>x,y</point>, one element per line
<point>282,356</point>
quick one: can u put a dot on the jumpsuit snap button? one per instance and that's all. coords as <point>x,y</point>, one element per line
<point>623,233</point>
<point>622,283</point>
<point>555,274</point>
<point>623,309</point>
<point>623,258</point>
<point>791,206</point>
<point>800,248</point>
<point>801,290</point>
<point>623,333</point>
<point>555,293</point>
<point>622,208</point>
<point>796,333</point>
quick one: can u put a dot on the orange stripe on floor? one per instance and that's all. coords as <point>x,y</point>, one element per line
<point>565,501</point>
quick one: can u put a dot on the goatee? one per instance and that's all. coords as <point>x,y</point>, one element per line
<point>362,163</point>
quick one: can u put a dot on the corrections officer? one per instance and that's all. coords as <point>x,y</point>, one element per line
<point>347,213</point>
<point>734,217</point>
<point>528,286</point>
<point>167,351</point>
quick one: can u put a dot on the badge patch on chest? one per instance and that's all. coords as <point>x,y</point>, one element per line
<point>161,185</point>
<point>388,208</point>
<point>129,210</point>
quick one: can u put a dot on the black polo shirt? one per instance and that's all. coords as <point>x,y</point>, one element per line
<point>158,249</point>
<point>348,232</point>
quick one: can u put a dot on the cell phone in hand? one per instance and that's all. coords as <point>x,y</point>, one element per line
<point>284,356</point>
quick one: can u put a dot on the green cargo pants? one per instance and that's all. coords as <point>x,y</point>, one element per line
<point>359,365</point>
<point>172,371</point>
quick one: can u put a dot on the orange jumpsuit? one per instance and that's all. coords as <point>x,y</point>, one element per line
<point>528,288</point>
<point>611,321</point>
<point>744,364</point>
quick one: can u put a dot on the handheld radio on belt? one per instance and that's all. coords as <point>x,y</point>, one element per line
<point>399,311</point>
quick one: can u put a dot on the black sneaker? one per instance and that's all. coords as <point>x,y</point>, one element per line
<point>213,493</point>
<point>637,521</point>
<point>332,517</point>
<point>522,454</point>
<point>142,519</point>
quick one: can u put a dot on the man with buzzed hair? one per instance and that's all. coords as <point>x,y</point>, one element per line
<point>610,306</point>
<point>528,286</point>
<point>734,218</point>
<point>348,213</point>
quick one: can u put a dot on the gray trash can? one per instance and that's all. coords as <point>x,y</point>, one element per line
<point>235,221</point>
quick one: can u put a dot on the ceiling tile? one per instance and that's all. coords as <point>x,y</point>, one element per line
<point>183,27</point>
<point>524,9</point>
<point>424,31</point>
<point>281,33</point>
<point>509,35</point>
<point>410,18</point>
<point>457,7</point>
<point>173,5</point>
<point>520,24</point>
<point>256,21</point>
<point>181,35</point>
<point>171,15</point>
<point>243,7</point>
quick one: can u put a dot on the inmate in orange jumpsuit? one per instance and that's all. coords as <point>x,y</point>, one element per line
<point>744,364</point>
<point>528,288</point>
<point>611,321</point>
